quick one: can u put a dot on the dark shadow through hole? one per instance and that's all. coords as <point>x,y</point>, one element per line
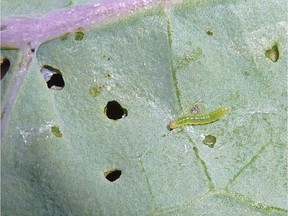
<point>5,65</point>
<point>115,111</point>
<point>56,80</point>
<point>113,175</point>
<point>53,77</point>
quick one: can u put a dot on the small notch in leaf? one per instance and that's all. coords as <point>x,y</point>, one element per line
<point>113,175</point>
<point>115,111</point>
<point>53,77</point>
<point>5,65</point>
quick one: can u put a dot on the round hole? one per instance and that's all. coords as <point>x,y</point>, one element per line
<point>113,175</point>
<point>5,65</point>
<point>115,111</point>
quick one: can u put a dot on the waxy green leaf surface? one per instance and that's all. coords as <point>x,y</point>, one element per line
<point>156,63</point>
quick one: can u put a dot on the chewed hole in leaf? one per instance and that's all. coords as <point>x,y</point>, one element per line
<point>79,34</point>
<point>106,57</point>
<point>115,111</point>
<point>95,91</point>
<point>53,77</point>
<point>273,53</point>
<point>209,140</point>
<point>210,33</point>
<point>196,109</point>
<point>56,131</point>
<point>5,65</point>
<point>113,175</point>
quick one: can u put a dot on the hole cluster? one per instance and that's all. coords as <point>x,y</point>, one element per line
<point>115,111</point>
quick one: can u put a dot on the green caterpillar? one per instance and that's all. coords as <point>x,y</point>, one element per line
<point>198,119</point>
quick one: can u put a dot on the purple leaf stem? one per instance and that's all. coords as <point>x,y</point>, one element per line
<point>27,33</point>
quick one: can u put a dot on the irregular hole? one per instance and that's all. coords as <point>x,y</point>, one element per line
<point>56,131</point>
<point>5,65</point>
<point>115,111</point>
<point>53,77</point>
<point>56,82</point>
<point>273,53</point>
<point>79,34</point>
<point>113,175</point>
<point>209,140</point>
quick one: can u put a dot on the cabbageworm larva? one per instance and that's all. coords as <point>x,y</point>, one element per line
<point>198,119</point>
